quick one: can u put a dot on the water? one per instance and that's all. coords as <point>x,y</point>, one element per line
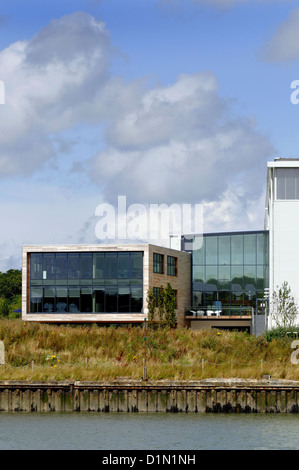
<point>115,431</point>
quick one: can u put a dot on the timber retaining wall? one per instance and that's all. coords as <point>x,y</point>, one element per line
<point>214,396</point>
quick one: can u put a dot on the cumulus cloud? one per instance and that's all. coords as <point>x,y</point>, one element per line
<point>284,44</point>
<point>54,81</point>
<point>180,145</point>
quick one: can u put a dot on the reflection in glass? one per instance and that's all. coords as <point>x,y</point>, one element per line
<point>237,249</point>
<point>61,299</point>
<point>86,266</point>
<point>73,265</point>
<point>74,299</point>
<point>61,266</point>
<point>111,265</point>
<point>36,300</point>
<point>48,266</point>
<point>99,266</point>
<point>48,299</point>
<point>36,266</point>
<point>136,300</point>
<point>224,250</point>
<point>123,265</point>
<point>211,250</point>
<point>250,249</point>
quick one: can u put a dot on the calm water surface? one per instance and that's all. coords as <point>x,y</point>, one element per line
<point>92,431</point>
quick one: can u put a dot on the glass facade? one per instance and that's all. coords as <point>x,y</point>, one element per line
<point>230,270</point>
<point>98,282</point>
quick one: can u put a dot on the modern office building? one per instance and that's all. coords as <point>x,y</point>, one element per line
<point>282,222</point>
<point>220,279</point>
<point>229,277</point>
<point>100,283</point>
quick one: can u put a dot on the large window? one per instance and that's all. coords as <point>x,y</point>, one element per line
<point>287,183</point>
<point>230,268</point>
<point>86,282</point>
<point>158,263</point>
<point>171,266</point>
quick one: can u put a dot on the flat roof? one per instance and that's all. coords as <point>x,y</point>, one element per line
<point>284,163</point>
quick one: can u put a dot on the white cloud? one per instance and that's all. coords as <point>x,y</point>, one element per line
<point>54,81</point>
<point>180,145</point>
<point>168,144</point>
<point>284,44</point>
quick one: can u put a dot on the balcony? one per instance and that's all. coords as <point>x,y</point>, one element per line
<point>219,312</point>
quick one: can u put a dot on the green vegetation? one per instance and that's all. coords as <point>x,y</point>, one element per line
<point>162,310</point>
<point>37,351</point>
<point>10,293</point>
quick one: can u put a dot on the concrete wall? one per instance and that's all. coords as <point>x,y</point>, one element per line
<point>282,221</point>
<point>210,396</point>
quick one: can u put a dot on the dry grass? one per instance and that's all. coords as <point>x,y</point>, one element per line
<point>47,352</point>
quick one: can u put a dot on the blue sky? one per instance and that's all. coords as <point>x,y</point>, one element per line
<point>163,101</point>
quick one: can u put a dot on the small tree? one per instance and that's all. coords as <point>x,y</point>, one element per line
<point>283,307</point>
<point>151,305</point>
<point>161,306</point>
<point>169,303</point>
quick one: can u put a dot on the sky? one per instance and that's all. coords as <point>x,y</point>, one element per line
<point>158,101</point>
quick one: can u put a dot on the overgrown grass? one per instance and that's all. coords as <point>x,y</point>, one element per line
<point>49,352</point>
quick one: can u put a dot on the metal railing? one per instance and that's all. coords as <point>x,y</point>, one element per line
<point>214,311</point>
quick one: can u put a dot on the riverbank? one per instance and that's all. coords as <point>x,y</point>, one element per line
<point>49,353</point>
<point>206,396</point>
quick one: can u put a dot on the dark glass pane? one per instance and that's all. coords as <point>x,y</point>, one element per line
<point>49,300</point>
<point>211,250</point>
<point>99,296</point>
<point>86,265</point>
<point>99,263</point>
<point>111,299</point>
<point>61,299</point>
<point>158,263</point>
<point>86,299</point>
<point>124,265</point>
<point>111,265</point>
<point>237,249</point>
<point>137,265</point>
<point>74,299</point>
<point>61,266</point>
<point>36,266</point>
<point>136,300</point>
<point>171,265</point>
<point>250,249</point>
<point>123,299</point>
<point>73,266</point>
<point>36,300</point>
<point>49,266</point>
<point>224,249</point>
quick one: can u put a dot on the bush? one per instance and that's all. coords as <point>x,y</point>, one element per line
<point>280,332</point>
